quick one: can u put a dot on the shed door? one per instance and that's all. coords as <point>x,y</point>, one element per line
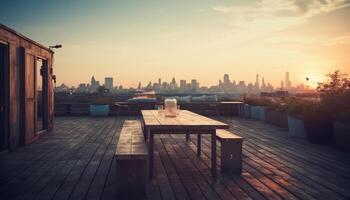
<point>29,98</point>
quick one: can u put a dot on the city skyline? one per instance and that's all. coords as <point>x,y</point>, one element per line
<point>112,81</point>
<point>141,41</point>
<point>225,85</point>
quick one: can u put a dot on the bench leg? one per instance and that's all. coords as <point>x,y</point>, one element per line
<point>130,179</point>
<point>150,154</point>
<point>231,156</point>
<point>199,144</point>
<point>187,137</point>
<point>213,154</point>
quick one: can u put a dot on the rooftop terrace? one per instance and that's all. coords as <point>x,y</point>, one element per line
<point>75,161</point>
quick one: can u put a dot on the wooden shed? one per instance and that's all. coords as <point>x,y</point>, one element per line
<point>26,89</point>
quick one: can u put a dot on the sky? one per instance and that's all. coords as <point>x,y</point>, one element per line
<point>139,41</point>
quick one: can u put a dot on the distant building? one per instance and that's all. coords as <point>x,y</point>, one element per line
<point>94,84</point>
<point>227,81</point>
<point>194,84</point>
<point>109,83</point>
<point>257,83</point>
<point>287,83</point>
<point>182,84</point>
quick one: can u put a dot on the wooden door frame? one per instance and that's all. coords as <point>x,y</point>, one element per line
<point>23,52</point>
<point>44,74</point>
<point>6,92</point>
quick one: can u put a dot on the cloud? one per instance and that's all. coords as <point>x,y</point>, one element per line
<point>299,8</point>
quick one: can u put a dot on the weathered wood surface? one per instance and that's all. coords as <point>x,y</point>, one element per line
<point>75,161</point>
<point>19,66</point>
<point>185,119</point>
<point>131,143</point>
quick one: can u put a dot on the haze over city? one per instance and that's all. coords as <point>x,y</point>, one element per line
<point>140,41</point>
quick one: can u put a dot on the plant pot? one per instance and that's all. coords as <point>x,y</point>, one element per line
<point>241,110</point>
<point>247,111</point>
<point>319,131</point>
<point>99,110</point>
<point>296,127</point>
<point>342,135</point>
<point>276,118</point>
<point>262,111</point>
<point>255,113</point>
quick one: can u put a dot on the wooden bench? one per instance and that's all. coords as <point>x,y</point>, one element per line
<point>131,161</point>
<point>231,151</point>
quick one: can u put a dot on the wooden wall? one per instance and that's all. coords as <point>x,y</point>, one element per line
<point>18,44</point>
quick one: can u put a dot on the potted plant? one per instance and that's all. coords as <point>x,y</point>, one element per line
<point>257,107</point>
<point>100,107</point>
<point>276,114</point>
<point>318,123</point>
<point>335,93</point>
<point>342,130</point>
<point>295,120</point>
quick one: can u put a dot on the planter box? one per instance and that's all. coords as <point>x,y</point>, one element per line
<point>258,112</point>
<point>342,135</point>
<point>296,127</point>
<point>255,112</point>
<point>247,111</point>
<point>99,110</point>
<point>262,116</point>
<point>276,118</point>
<point>319,131</point>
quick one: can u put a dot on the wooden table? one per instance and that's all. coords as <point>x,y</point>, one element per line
<point>186,122</point>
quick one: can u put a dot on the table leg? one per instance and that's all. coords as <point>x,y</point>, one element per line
<point>213,154</point>
<point>150,152</point>
<point>146,133</point>
<point>199,143</point>
<point>187,137</point>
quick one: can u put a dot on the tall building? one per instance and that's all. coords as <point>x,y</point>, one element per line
<point>257,84</point>
<point>94,84</point>
<point>182,84</point>
<point>159,82</point>
<point>109,83</point>
<point>287,83</point>
<point>173,84</point>
<point>194,84</point>
<point>226,80</point>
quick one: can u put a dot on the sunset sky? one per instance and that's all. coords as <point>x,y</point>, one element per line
<point>140,41</point>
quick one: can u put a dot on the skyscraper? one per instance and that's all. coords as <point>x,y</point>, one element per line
<point>109,83</point>
<point>226,80</point>
<point>182,84</point>
<point>194,84</point>
<point>257,84</point>
<point>94,84</point>
<point>287,82</point>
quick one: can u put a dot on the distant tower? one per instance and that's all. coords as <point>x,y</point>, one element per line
<point>194,84</point>
<point>159,81</point>
<point>139,86</point>
<point>287,82</point>
<point>94,84</point>
<point>282,85</point>
<point>182,84</point>
<point>226,79</point>
<point>109,83</point>
<point>257,84</point>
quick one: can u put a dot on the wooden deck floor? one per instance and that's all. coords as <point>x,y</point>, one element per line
<point>75,161</point>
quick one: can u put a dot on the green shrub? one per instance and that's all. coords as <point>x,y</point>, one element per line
<point>343,116</point>
<point>335,94</point>
<point>257,101</point>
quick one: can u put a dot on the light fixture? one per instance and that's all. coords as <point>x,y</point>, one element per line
<point>57,46</point>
